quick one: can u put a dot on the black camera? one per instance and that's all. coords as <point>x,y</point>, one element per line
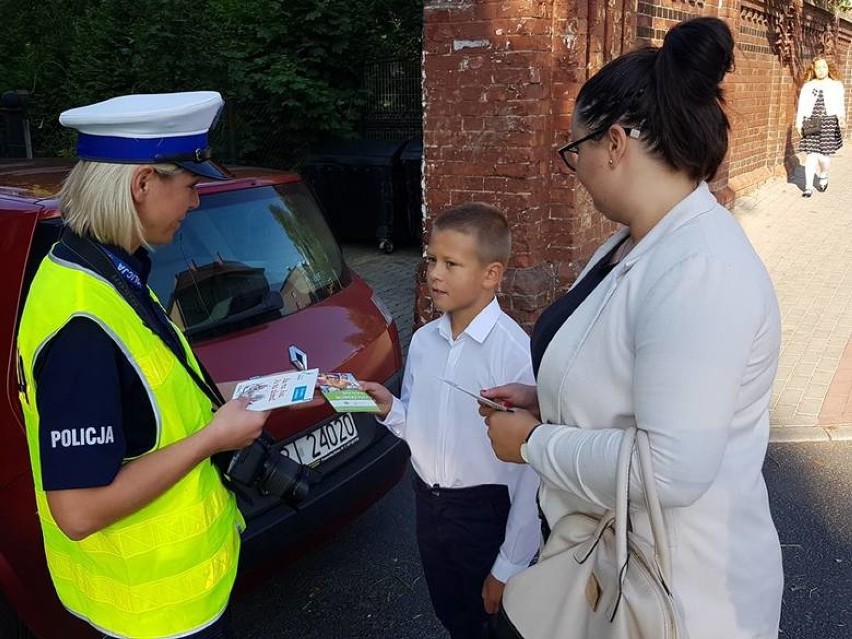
<point>273,473</point>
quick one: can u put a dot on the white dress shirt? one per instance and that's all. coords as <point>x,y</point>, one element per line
<point>447,435</point>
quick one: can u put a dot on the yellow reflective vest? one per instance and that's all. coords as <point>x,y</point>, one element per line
<point>167,569</point>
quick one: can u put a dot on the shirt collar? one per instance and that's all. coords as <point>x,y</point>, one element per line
<point>698,202</point>
<point>479,327</point>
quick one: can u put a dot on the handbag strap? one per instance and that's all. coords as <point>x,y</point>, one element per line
<point>637,439</point>
<point>622,502</point>
<point>655,511</point>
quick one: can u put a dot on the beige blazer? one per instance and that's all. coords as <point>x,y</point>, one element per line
<point>682,339</point>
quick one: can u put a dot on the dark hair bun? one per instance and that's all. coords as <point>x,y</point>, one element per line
<point>697,53</point>
<point>672,94</point>
<point>689,119</point>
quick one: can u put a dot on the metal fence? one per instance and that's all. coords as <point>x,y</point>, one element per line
<point>394,106</point>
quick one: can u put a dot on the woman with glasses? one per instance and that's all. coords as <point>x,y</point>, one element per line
<point>673,327</point>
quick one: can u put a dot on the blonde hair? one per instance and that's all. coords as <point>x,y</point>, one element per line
<point>96,200</point>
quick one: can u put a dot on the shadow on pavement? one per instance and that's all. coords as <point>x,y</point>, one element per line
<point>809,490</point>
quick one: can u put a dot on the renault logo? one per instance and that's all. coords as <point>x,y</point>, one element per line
<point>298,358</point>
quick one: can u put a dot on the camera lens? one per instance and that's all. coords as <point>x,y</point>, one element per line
<point>285,478</point>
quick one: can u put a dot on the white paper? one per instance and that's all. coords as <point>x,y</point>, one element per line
<point>278,389</point>
<point>476,396</point>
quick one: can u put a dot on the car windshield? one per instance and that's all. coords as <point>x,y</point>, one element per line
<point>245,257</point>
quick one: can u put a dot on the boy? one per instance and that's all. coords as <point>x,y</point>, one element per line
<point>477,523</point>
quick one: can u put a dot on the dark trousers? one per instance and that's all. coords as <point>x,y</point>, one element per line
<point>459,533</point>
<point>219,629</point>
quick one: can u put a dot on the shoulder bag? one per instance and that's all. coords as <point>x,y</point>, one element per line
<point>595,579</point>
<point>811,126</point>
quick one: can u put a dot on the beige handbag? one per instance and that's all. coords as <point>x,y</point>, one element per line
<point>595,579</point>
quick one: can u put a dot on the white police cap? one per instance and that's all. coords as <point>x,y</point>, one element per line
<point>149,128</point>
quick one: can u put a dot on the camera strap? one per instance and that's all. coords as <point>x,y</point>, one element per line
<point>97,259</point>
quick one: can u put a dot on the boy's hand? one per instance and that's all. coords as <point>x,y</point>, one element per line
<point>517,395</point>
<point>381,395</point>
<point>492,594</point>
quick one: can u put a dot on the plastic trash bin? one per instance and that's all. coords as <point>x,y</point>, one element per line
<point>14,128</point>
<point>360,186</point>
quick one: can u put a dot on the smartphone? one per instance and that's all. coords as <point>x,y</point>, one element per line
<point>482,400</point>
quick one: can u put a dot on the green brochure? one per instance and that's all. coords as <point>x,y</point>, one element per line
<point>344,393</point>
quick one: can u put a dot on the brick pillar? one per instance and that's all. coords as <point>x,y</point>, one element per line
<point>500,79</point>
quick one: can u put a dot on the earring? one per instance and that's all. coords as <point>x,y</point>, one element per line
<point>610,162</point>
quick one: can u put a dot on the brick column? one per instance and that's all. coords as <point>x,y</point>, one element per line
<point>500,78</point>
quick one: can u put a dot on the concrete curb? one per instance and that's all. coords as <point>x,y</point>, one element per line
<point>812,433</point>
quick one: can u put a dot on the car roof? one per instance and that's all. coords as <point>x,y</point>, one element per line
<point>41,179</point>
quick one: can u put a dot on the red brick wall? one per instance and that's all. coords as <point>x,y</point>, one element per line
<point>761,95</point>
<point>500,78</point>
<point>761,92</point>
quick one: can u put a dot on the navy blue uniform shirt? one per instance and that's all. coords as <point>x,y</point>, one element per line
<point>95,412</point>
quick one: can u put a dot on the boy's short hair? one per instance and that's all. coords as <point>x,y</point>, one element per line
<point>485,223</point>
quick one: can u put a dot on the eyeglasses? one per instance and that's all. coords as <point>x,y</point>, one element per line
<point>569,152</point>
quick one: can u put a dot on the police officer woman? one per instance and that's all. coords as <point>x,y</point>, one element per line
<point>140,534</point>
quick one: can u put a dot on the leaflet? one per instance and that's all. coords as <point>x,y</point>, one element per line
<point>344,393</point>
<point>482,400</point>
<point>278,390</point>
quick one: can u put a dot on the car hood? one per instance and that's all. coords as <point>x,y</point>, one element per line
<point>345,333</point>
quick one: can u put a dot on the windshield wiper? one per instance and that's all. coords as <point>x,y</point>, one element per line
<point>271,304</point>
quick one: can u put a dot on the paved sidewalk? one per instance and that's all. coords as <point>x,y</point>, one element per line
<point>392,277</point>
<point>807,247</point>
<point>806,244</point>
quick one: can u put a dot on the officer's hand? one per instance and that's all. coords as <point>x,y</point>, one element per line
<point>234,426</point>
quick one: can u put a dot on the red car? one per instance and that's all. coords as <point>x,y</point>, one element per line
<point>253,272</point>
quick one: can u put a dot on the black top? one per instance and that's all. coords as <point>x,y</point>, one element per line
<point>555,315</point>
<point>94,410</point>
<point>552,319</point>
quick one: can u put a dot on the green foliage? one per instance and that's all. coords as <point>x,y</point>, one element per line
<point>841,6</point>
<point>289,70</point>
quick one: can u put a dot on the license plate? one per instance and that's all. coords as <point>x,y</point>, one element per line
<point>323,442</point>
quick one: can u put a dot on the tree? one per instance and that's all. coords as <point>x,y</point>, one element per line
<point>289,70</point>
